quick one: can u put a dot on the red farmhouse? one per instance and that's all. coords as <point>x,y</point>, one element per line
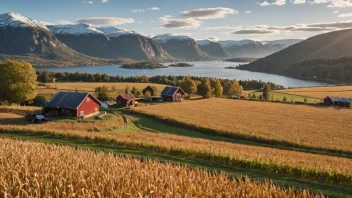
<point>126,99</point>
<point>171,93</point>
<point>73,104</point>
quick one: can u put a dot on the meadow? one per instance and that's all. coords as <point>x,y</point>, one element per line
<point>290,97</point>
<point>300,125</point>
<point>52,88</point>
<point>321,92</point>
<point>37,170</point>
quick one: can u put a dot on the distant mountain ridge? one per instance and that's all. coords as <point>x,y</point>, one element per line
<point>255,49</point>
<point>212,48</point>
<point>109,42</point>
<point>28,39</point>
<point>322,57</point>
<point>181,47</point>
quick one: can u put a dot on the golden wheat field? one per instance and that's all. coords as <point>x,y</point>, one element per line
<point>267,157</point>
<point>318,127</point>
<point>321,92</point>
<point>52,88</point>
<point>37,170</point>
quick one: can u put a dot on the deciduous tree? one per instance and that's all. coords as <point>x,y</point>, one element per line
<point>204,89</point>
<point>17,81</point>
<point>188,85</point>
<point>218,89</point>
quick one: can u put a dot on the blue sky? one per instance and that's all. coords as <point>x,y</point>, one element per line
<point>223,19</point>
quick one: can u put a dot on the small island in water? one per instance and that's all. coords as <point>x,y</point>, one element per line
<point>242,60</point>
<point>180,65</point>
<point>232,67</point>
<point>143,65</point>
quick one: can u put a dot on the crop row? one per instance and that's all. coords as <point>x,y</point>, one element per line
<point>310,166</point>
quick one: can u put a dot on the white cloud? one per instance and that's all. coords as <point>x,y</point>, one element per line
<point>208,13</point>
<point>167,22</point>
<point>265,29</point>
<point>137,10</point>
<point>298,1</point>
<point>275,2</point>
<point>153,8</point>
<point>247,12</point>
<point>343,15</point>
<point>90,2</point>
<point>105,21</point>
<point>104,1</point>
<point>336,12</point>
<point>333,3</point>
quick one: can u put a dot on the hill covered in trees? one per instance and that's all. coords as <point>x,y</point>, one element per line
<point>326,57</point>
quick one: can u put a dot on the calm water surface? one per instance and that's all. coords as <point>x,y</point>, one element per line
<point>204,69</point>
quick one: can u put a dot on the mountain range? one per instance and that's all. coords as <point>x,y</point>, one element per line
<point>84,44</point>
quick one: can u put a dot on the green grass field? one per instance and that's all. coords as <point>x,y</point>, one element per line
<point>279,96</point>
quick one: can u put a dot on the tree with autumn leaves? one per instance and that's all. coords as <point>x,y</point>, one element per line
<point>17,82</point>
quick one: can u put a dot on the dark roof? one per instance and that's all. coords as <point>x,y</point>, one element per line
<point>334,98</point>
<point>70,100</point>
<point>170,91</point>
<point>128,96</point>
<point>338,99</point>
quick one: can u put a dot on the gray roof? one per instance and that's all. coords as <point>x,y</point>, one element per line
<point>70,100</point>
<point>170,91</point>
<point>338,99</point>
<point>346,100</point>
<point>334,98</point>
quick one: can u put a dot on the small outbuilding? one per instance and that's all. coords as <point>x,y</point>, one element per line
<point>73,104</point>
<point>126,99</point>
<point>150,89</point>
<point>171,93</point>
<point>337,101</point>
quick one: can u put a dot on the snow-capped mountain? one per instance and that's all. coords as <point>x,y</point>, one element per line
<point>255,49</point>
<point>115,31</point>
<point>212,48</point>
<point>285,43</point>
<point>230,43</point>
<point>16,20</point>
<point>167,37</point>
<point>74,29</point>
<point>109,42</point>
<point>181,47</point>
<point>32,41</point>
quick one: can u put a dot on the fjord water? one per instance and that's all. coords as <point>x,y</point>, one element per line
<point>204,69</point>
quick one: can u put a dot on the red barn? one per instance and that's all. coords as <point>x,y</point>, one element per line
<point>171,93</point>
<point>73,104</point>
<point>126,99</point>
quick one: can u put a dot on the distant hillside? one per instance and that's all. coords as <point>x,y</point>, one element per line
<point>109,42</point>
<point>255,49</point>
<point>320,57</point>
<point>212,48</point>
<point>181,47</point>
<point>29,40</point>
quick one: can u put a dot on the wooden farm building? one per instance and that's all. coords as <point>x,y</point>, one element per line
<point>337,101</point>
<point>73,104</point>
<point>171,93</point>
<point>126,99</point>
<point>150,89</point>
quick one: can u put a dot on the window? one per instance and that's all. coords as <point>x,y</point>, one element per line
<point>81,113</point>
<point>96,109</point>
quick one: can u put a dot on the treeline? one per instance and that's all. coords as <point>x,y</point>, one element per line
<point>46,76</point>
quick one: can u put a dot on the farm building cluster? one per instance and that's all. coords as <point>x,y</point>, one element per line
<point>337,101</point>
<point>85,105</point>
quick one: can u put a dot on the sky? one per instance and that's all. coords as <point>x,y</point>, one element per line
<point>200,19</point>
